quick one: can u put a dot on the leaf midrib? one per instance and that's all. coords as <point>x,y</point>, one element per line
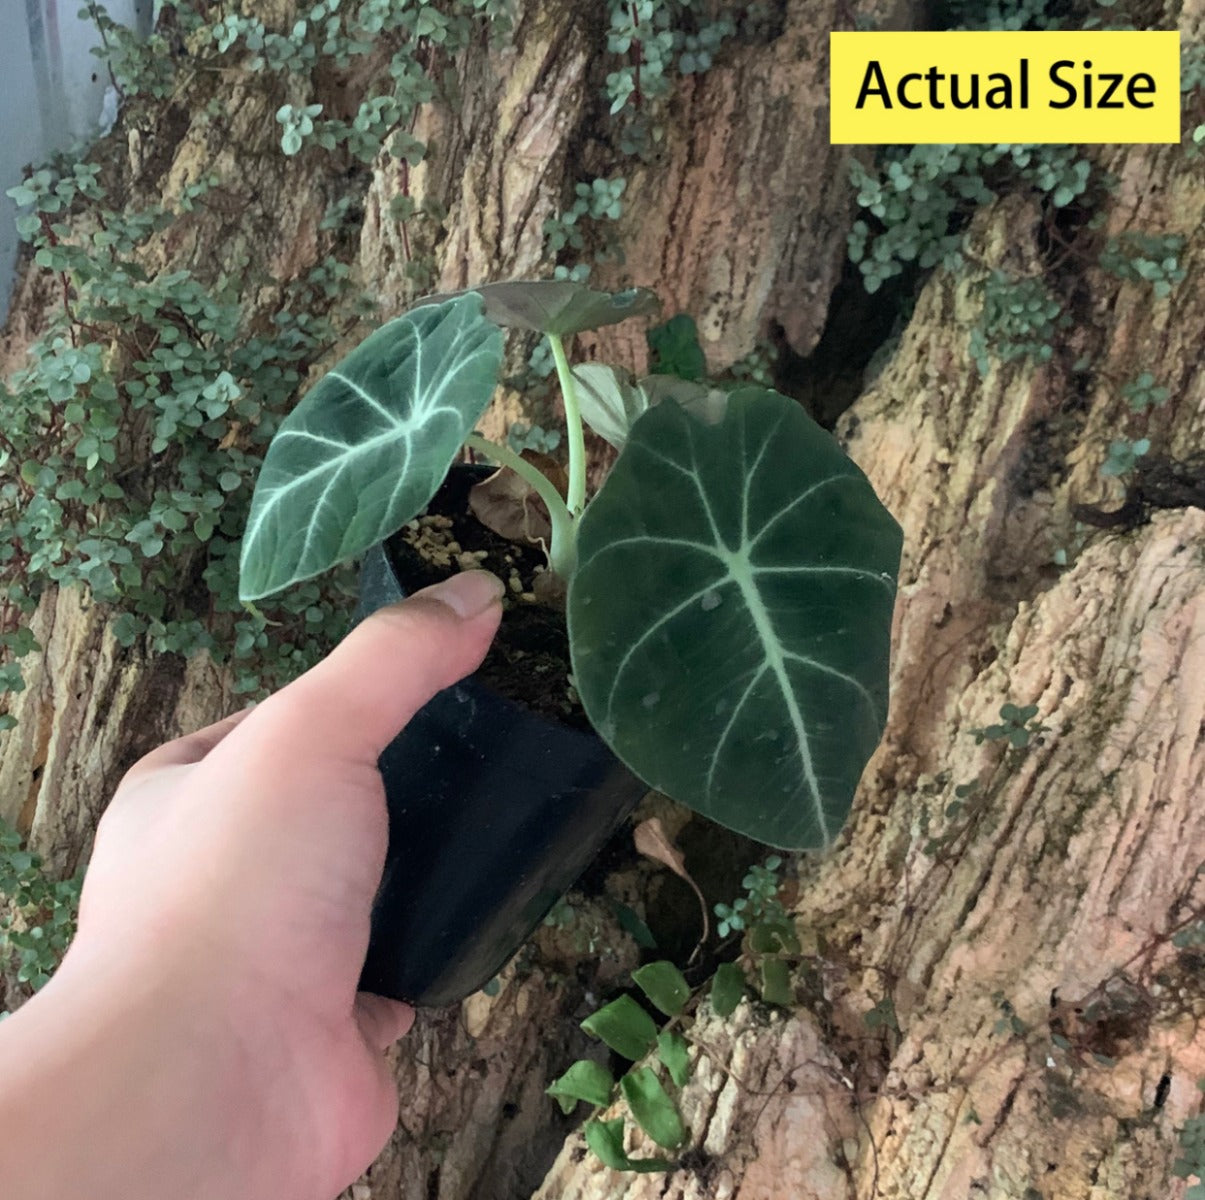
<point>739,569</point>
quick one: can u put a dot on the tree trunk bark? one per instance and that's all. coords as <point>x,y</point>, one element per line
<point>1045,1037</point>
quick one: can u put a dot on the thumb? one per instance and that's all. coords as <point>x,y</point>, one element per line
<point>365,691</point>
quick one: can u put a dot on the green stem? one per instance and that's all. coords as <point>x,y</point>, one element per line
<point>573,421</point>
<point>562,554</point>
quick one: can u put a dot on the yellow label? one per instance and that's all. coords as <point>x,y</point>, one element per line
<point>1005,87</point>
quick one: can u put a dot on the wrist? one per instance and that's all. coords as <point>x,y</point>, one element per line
<point>114,1071</point>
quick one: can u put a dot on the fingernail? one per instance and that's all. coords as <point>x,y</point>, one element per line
<point>468,594</point>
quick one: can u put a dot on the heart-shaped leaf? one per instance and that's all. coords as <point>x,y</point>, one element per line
<point>730,616</point>
<point>369,444</point>
<point>558,306</point>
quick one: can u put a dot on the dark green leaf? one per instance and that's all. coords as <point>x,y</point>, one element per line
<point>676,347</point>
<point>776,983</point>
<point>730,616</point>
<point>652,1107</point>
<point>559,306</point>
<point>624,1026</point>
<point>605,1138</point>
<point>632,925</point>
<point>674,1053</point>
<point>727,988</point>
<point>585,1080</point>
<point>664,985</point>
<point>770,937</point>
<point>370,443</point>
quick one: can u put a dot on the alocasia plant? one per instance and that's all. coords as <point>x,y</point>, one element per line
<point>730,585</point>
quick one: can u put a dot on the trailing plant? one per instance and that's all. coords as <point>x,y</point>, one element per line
<point>37,913</point>
<point>1123,457</point>
<point>760,904</point>
<point>626,1027</point>
<point>655,37</point>
<point>1019,730</point>
<point>1018,726</point>
<point>160,372</point>
<point>734,576</point>
<point>650,1088</point>
<point>140,369</point>
<point>598,202</point>
<point>1143,393</point>
<point>918,198</point>
<point>1019,319</point>
<point>522,436</point>
<point>1146,257</point>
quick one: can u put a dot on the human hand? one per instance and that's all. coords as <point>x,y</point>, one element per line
<point>223,924</point>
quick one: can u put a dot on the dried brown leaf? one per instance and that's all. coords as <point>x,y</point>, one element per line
<point>509,506</point>
<point>653,842</point>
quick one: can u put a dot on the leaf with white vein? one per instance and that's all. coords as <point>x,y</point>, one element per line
<point>730,616</point>
<point>370,443</point>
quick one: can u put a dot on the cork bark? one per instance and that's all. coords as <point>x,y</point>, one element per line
<point>1056,897</point>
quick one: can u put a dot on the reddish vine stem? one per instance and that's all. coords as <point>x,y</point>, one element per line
<point>405,174</point>
<point>104,37</point>
<point>53,239</point>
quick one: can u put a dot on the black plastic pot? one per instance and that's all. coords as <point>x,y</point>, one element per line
<point>493,813</point>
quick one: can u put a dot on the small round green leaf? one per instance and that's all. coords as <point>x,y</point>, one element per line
<point>664,985</point>
<point>730,616</point>
<point>624,1026</point>
<point>652,1107</point>
<point>369,444</point>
